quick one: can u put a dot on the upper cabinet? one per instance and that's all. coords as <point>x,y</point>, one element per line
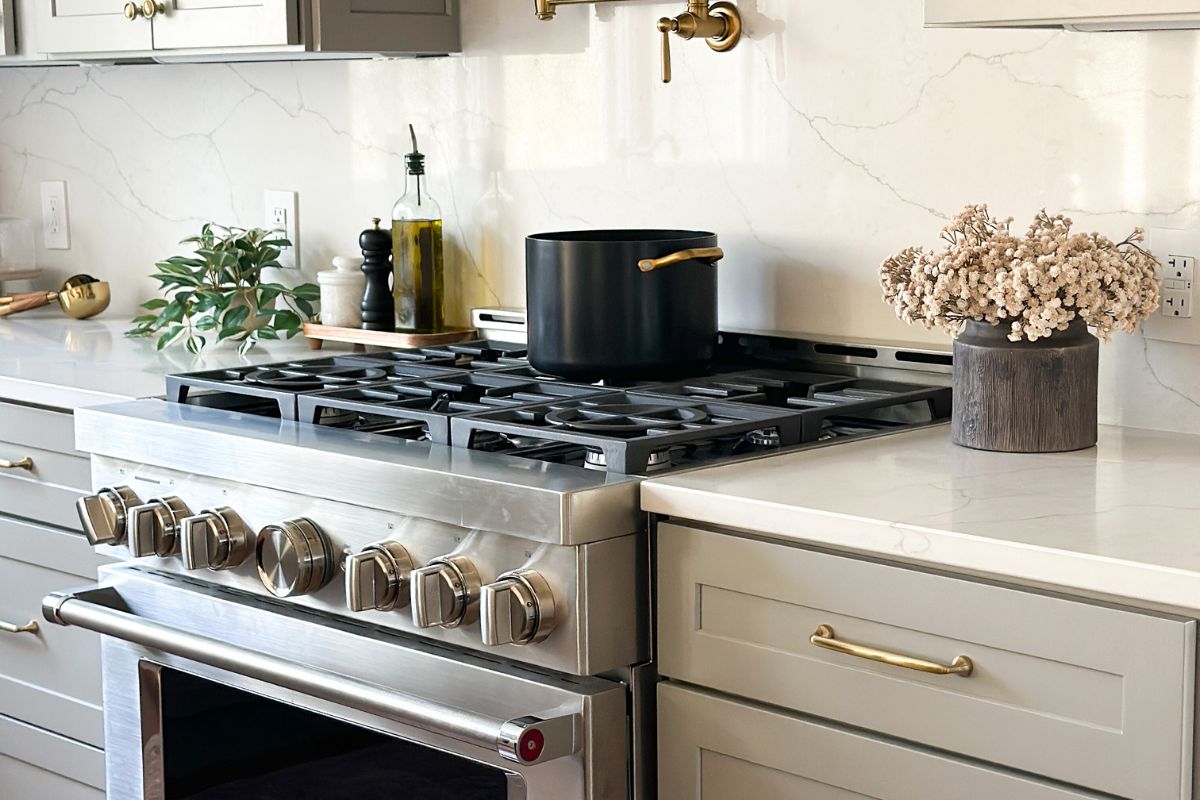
<point>1079,14</point>
<point>245,29</point>
<point>8,31</point>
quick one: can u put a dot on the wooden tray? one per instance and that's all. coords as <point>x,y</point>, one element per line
<point>319,334</point>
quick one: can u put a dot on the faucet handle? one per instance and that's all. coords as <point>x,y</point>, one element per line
<point>667,26</point>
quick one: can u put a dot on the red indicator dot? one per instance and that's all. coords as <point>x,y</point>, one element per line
<point>530,745</point>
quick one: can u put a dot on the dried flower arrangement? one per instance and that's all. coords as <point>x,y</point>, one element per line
<point>1040,282</point>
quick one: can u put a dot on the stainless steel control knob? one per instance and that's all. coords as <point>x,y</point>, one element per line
<point>216,539</point>
<point>445,592</point>
<point>294,558</point>
<point>104,514</point>
<point>517,609</point>
<point>377,577</point>
<point>154,527</point>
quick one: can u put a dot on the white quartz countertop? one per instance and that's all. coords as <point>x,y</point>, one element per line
<point>53,361</point>
<point>1120,520</point>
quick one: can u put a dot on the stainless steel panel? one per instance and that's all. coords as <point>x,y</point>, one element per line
<point>548,503</point>
<point>435,675</point>
<point>600,585</point>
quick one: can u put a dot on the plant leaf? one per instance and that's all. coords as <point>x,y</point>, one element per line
<point>234,317</point>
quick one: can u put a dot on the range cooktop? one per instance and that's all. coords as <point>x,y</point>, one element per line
<point>484,395</point>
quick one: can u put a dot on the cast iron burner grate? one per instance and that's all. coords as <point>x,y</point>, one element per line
<point>277,386</point>
<point>483,354</point>
<point>820,398</point>
<point>630,429</point>
<point>430,403</point>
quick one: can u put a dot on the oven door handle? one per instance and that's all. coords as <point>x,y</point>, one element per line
<point>524,740</point>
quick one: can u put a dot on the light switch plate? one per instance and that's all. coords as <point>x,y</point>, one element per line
<point>56,223</point>
<point>1177,252</point>
<point>281,212</point>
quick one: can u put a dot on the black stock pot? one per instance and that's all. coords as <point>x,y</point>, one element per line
<point>621,304</point>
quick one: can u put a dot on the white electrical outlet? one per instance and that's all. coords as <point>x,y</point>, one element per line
<point>56,223</point>
<point>281,212</point>
<point>1177,252</point>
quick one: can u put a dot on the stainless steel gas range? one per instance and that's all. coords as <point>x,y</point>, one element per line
<point>421,568</point>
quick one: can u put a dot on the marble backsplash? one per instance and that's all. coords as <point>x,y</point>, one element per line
<point>837,133</point>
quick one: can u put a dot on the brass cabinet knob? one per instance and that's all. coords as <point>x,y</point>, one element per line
<point>132,11</point>
<point>150,8</point>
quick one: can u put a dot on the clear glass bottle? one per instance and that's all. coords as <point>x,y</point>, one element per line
<point>418,268</point>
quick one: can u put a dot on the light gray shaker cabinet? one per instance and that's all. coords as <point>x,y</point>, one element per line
<point>51,729</point>
<point>240,29</point>
<point>1080,693</point>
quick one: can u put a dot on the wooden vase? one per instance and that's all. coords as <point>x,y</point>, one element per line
<point>1025,397</point>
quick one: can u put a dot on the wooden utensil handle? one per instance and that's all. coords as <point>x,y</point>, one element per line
<point>26,301</point>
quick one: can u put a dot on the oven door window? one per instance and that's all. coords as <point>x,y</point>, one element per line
<point>220,743</point>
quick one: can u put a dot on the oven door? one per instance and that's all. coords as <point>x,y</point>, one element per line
<point>213,695</point>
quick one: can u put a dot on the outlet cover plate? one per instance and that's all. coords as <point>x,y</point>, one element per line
<point>56,222</point>
<point>281,211</point>
<point>1180,246</point>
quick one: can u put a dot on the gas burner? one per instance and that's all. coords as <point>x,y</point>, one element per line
<point>658,461</point>
<point>766,437</point>
<point>625,419</point>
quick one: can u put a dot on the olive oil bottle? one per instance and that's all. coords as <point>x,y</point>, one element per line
<point>418,268</point>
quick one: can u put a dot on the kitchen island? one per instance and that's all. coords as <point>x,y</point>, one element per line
<point>899,616</point>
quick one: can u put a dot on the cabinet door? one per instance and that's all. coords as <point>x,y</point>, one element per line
<point>226,23</point>
<point>1040,12</point>
<point>90,26</point>
<point>398,26</point>
<point>8,39</point>
<point>713,748</point>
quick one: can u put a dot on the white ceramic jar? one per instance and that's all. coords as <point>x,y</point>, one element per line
<point>342,292</point>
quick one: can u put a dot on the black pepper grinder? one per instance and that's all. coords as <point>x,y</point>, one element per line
<point>378,305</point>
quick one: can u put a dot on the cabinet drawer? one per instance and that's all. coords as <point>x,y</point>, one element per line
<point>1088,694</point>
<point>46,493</point>
<point>37,427</point>
<point>50,678</point>
<point>712,748</point>
<point>39,765</point>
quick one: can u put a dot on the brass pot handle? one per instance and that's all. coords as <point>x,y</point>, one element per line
<point>28,627</point>
<point>710,254</point>
<point>24,463</point>
<point>824,637</point>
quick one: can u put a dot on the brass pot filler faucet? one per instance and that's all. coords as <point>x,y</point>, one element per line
<point>719,24</point>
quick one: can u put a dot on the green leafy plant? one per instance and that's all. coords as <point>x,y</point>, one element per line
<point>219,291</point>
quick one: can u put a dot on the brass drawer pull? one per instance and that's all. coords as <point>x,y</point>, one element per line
<point>24,463</point>
<point>824,637</point>
<point>28,627</point>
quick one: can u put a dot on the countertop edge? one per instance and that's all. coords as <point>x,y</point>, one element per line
<point>51,395</point>
<point>1053,568</point>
